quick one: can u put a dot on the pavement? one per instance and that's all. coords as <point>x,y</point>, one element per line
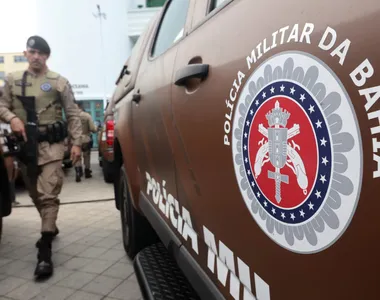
<point>88,255</point>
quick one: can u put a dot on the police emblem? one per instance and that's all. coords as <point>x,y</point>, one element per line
<point>46,87</point>
<point>297,152</point>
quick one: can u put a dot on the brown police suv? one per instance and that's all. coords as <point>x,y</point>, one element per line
<point>247,146</point>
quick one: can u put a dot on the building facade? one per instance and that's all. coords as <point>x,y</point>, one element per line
<point>140,12</point>
<point>11,62</point>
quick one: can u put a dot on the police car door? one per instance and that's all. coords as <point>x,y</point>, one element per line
<point>205,75</point>
<point>269,154</point>
<point>151,110</point>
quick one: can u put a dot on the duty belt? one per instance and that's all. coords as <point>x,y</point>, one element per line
<point>52,133</point>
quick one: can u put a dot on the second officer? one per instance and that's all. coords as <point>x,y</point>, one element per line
<point>88,127</point>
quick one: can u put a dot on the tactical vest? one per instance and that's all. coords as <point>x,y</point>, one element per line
<point>85,126</point>
<point>46,89</point>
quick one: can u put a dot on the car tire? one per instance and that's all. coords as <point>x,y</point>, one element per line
<point>107,172</point>
<point>136,230</point>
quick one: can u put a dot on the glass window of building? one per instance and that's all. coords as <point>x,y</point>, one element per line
<point>19,58</point>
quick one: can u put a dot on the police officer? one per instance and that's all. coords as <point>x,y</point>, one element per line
<point>51,94</point>
<point>88,127</point>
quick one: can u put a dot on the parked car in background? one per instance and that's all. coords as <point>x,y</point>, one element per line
<point>7,183</point>
<point>105,142</point>
<point>106,132</point>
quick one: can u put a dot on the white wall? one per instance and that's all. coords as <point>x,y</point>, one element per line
<point>133,4</point>
<point>73,34</point>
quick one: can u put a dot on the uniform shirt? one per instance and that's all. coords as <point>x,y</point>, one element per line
<point>87,126</point>
<point>47,152</point>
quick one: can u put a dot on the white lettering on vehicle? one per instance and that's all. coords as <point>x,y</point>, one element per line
<point>170,207</point>
<point>221,259</point>
<point>294,36</point>
<point>360,76</point>
<point>230,106</point>
<point>224,260</point>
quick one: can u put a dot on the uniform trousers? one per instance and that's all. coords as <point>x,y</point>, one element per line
<point>86,154</point>
<point>45,193</point>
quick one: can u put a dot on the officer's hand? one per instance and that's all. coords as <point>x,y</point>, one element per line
<point>17,126</point>
<point>75,153</point>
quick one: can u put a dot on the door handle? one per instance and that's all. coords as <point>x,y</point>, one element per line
<point>136,97</point>
<point>191,71</point>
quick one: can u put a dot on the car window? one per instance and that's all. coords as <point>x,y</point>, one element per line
<point>172,26</point>
<point>216,3</point>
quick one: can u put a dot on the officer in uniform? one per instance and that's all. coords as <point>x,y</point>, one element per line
<point>33,102</point>
<point>88,127</point>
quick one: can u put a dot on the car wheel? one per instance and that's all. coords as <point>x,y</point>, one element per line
<point>107,172</point>
<point>136,230</point>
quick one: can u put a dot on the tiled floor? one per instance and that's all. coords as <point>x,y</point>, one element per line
<point>90,262</point>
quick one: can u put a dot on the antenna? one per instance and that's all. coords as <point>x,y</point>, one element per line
<point>99,15</point>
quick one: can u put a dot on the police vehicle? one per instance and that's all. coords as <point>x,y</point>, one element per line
<point>247,145</point>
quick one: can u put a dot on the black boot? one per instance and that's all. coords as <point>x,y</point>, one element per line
<point>77,174</point>
<point>44,268</point>
<point>56,232</point>
<point>81,171</point>
<point>87,173</point>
